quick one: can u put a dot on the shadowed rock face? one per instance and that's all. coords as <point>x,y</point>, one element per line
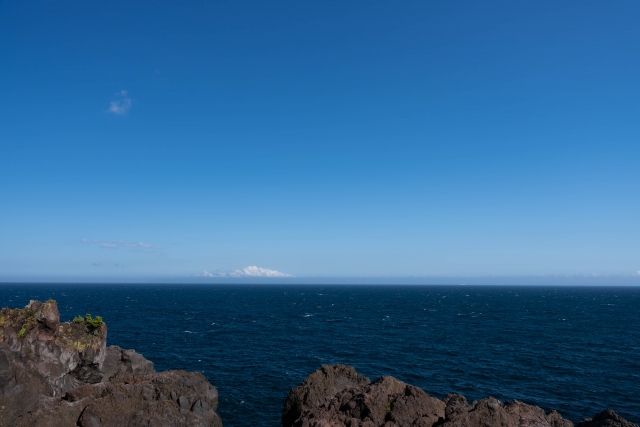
<point>607,418</point>
<point>171,398</point>
<point>320,387</point>
<point>388,402</point>
<point>63,374</point>
<point>64,355</point>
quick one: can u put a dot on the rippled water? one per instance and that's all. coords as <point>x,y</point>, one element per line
<point>576,350</point>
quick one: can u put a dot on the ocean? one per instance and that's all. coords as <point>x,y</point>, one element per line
<point>573,349</point>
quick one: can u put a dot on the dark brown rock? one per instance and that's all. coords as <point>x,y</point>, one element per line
<point>491,412</point>
<point>62,374</point>
<point>318,388</point>
<point>65,355</point>
<point>385,402</point>
<point>607,418</point>
<point>133,400</point>
<point>125,361</point>
<point>388,402</point>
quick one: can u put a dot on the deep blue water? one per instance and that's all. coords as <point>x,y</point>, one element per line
<point>576,350</point>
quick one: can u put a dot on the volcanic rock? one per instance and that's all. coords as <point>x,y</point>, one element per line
<point>606,418</point>
<point>318,388</point>
<point>385,402</point>
<point>388,402</point>
<point>125,361</point>
<point>491,412</point>
<point>63,374</point>
<point>171,398</point>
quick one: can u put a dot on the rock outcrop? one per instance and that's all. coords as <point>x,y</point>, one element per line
<point>606,418</point>
<point>319,388</point>
<point>385,402</point>
<point>63,374</point>
<point>492,412</point>
<point>171,398</point>
<point>388,402</point>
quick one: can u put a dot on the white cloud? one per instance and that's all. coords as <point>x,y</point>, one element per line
<point>122,105</point>
<point>254,271</point>
<point>115,244</point>
<point>250,271</point>
<point>638,273</point>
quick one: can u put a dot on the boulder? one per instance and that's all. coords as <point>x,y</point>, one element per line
<point>318,388</point>
<point>385,402</point>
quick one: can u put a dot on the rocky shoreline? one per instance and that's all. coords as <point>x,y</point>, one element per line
<point>63,374</point>
<point>337,396</point>
<point>59,374</point>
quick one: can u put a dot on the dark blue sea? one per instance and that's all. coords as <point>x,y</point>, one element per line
<point>573,349</point>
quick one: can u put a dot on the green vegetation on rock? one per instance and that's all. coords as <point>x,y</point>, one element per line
<point>95,323</point>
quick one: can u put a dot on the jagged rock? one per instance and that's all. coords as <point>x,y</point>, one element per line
<point>65,355</point>
<point>491,412</point>
<point>62,374</point>
<point>133,400</point>
<point>385,402</point>
<point>606,418</point>
<point>388,402</point>
<point>125,361</point>
<point>318,388</point>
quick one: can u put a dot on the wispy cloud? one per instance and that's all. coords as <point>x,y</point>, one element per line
<point>250,271</point>
<point>638,273</point>
<point>115,244</point>
<point>121,105</point>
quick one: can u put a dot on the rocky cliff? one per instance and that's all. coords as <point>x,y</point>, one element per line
<point>337,396</point>
<point>63,374</point>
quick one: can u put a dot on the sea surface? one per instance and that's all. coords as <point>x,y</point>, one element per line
<point>573,349</point>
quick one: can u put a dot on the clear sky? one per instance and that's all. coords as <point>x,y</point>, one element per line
<point>319,139</point>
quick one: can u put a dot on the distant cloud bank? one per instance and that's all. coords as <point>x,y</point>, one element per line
<point>250,271</point>
<point>122,105</point>
<point>115,244</point>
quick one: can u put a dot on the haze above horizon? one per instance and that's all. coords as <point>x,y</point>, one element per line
<point>243,140</point>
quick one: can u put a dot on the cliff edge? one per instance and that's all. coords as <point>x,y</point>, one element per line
<point>62,374</point>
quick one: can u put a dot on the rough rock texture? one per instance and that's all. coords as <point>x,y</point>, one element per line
<point>385,402</point>
<point>607,418</point>
<point>62,374</point>
<point>171,398</point>
<point>491,412</point>
<point>388,402</point>
<point>125,361</point>
<point>64,355</point>
<point>320,387</point>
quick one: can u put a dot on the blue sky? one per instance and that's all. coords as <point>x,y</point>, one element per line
<point>319,139</point>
